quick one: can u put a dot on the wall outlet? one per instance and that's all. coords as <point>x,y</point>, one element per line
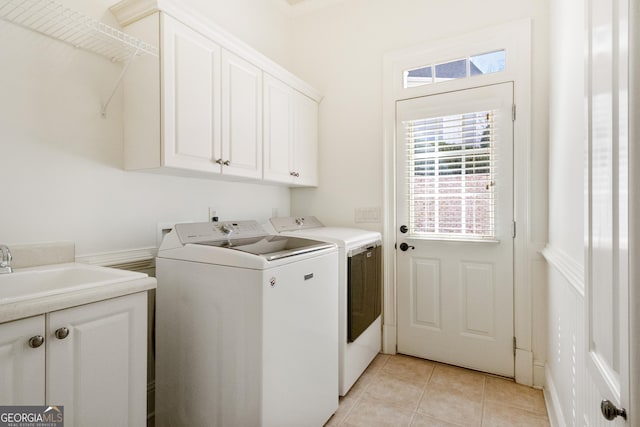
<point>213,216</point>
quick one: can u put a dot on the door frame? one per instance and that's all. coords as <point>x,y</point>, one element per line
<point>634,210</point>
<point>515,38</point>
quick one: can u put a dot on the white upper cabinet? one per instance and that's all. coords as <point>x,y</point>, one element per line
<point>198,110</point>
<point>305,137</point>
<point>278,130</point>
<point>290,135</point>
<point>190,98</point>
<point>241,117</point>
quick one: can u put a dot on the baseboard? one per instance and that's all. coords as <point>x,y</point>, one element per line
<point>556,418</point>
<point>389,342</point>
<point>524,367</point>
<point>539,373</point>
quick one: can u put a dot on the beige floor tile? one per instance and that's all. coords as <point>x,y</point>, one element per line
<point>499,415</point>
<point>420,420</point>
<point>399,391</point>
<point>409,367</point>
<point>371,412</point>
<point>345,405</point>
<point>452,405</point>
<point>464,382</point>
<point>379,362</point>
<point>406,391</point>
<point>509,393</point>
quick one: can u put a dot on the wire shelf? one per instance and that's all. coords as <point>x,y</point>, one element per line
<point>54,20</point>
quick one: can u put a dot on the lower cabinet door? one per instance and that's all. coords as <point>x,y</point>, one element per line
<point>96,362</point>
<point>22,362</point>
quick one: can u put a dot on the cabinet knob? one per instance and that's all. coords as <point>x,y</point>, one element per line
<point>219,161</point>
<point>226,162</point>
<point>37,341</point>
<point>62,333</point>
<point>296,174</point>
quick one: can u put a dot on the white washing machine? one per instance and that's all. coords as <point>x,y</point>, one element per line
<point>360,290</point>
<point>247,328</point>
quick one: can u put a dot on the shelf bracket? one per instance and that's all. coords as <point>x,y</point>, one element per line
<point>103,110</point>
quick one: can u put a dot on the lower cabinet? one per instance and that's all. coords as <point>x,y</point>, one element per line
<point>91,359</point>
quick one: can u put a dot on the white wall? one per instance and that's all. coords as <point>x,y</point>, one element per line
<point>339,49</point>
<point>61,163</point>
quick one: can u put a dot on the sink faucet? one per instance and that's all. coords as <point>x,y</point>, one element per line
<point>5,260</point>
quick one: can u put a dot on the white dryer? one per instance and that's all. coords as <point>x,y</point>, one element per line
<point>247,328</point>
<point>360,290</point>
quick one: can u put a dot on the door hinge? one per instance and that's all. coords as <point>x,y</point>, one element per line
<point>513,112</point>
<point>514,346</point>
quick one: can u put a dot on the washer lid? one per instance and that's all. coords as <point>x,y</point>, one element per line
<point>247,236</point>
<point>276,247</point>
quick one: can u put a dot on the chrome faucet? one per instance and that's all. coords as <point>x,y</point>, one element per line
<point>5,260</point>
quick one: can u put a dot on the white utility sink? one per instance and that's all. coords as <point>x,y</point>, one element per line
<point>43,281</point>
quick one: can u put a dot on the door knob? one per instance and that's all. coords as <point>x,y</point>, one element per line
<point>62,333</point>
<point>37,341</point>
<point>611,411</point>
<point>403,229</point>
<point>404,247</point>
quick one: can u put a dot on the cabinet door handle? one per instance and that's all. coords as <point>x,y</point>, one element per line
<point>219,161</point>
<point>62,333</point>
<point>226,162</point>
<point>36,341</point>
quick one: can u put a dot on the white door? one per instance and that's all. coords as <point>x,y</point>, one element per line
<point>22,362</point>
<point>96,362</point>
<point>607,275</point>
<point>455,228</point>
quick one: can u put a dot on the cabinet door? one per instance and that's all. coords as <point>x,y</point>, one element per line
<point>98,370</point>
<point>305,136</point>
<point>278,130</point>
<point>241,117</point>
<point>22,364</point>
<point>190,98</point>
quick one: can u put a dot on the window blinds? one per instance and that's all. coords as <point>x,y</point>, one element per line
<point>451,176</point>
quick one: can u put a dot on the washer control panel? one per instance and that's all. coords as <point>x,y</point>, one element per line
<point>209,232</point>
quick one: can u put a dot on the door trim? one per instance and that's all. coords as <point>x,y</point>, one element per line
<point>515,37</point>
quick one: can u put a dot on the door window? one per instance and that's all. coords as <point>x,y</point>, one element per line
<point>450,183</point>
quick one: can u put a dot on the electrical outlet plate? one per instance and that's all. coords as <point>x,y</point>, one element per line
<point>212,213</point>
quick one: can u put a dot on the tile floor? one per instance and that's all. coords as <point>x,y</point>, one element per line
<point>406,391</point>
